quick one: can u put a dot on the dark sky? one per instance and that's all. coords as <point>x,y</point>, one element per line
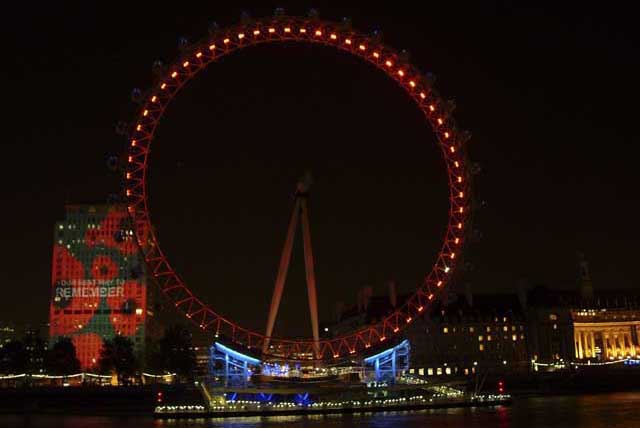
<point>550,96</point>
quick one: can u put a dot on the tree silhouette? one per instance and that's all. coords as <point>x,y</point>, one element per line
<point>13,358</point>
<point>61,358</point>
<point>35,351</point>
<point>117,356</point>
<point>176,352</point>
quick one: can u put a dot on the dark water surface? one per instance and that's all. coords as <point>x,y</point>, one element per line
<point>615,410</point>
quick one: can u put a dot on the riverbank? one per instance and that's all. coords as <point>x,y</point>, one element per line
<point>142,400</point>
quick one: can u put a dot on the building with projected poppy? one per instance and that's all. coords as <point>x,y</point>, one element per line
<point>98,281</point>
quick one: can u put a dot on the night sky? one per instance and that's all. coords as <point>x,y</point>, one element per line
<point>549,95</point>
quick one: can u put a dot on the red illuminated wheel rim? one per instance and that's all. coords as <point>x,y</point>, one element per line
<point>313,31</point>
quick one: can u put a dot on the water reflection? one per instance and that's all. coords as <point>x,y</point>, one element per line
<point>619,410</point>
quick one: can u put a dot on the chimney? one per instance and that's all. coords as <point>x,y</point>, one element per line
<point>521,290</point>
<point>393,296</point>
<point>468,295</point>
<point>586,287</point>
<point>338,310</point>
<point>367,292</point>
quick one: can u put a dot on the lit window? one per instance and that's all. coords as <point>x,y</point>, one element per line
<point>481,347</point>
<point>411,371</point>
<point>555,326</point>
<point>488,338</point>
<point>445,330</point>
<point>430,371</point>
<point>471,329</point>
<point>505,328</point>
<point>439,371</point>
<point>480,338</point>
<point>466,372</point>
<point>421,371</point>
<point>553,317</point>
<point>447,370</point>
<point>488,329</point>
<point>514,337</point>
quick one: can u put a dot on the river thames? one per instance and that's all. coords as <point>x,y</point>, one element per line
<point>613,410</point>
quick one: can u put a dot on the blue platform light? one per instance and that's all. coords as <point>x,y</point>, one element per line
<point>389,363</point>
<point>235,354</point>
<point>229,366</point>
<point>386,352</point>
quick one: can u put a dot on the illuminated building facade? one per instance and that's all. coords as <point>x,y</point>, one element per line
<point>606,334</point>
<point>460,335</point>
<point>7,334</point>
<point>98,281</point>
<point>470,333</point>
